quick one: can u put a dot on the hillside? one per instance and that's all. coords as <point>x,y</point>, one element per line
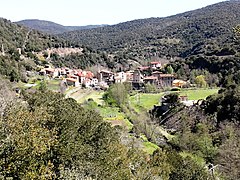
<point>22,49</point>
<point>51,27</point>
<point>14,36</point>
<point>179,35</point>
<point>19,46</point>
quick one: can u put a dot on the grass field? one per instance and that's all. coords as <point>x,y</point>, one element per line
<point>53,85</point>
<point>142,101</point>
<point>196,94</point>
<point>83,95</point>
<point>95,95</point>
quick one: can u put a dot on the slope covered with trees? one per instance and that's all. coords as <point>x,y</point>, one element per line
<point>20,48</point>
<point>18,45</point>
<point>180,35</point>
<point>14,36</point>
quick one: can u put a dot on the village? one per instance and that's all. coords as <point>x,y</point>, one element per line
<point>104,78</point>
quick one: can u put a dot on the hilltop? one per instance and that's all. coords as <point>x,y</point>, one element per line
<point>51,27</point>
<point>179,35</point>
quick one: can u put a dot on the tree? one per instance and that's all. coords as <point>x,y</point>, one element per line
<point>43,85</point>
<point>237,30</point>
<point>116,95</point>
<point>225,105</point>
<point>150,88</point>
<point>14,76</point>
<point>170,69</point>
<point>227,160</point>
<point>86,144</point>
<point>200,81</point>
<point>6,95</point>
<point>27,143</point>
<point>186,168</point>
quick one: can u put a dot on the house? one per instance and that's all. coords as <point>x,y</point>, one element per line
<point>150,80</point>
<point>144,68</point>
<point>129,76</point>
<point>156,74</point>
<point>155,65</point>
<point>137,76</point>
<point>120,77</point>
<point>81,77</point>
<point>87,83</point>
<point>105,76</point>
<point>72,82</point>
<point>62,72</point>
<point>183,98</point>
<point>51,72</point>
<point>178,83</point>
<point>166,80</point>
<point>94,82</point>
<point>74,77</point>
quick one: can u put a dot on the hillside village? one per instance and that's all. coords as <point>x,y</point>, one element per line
<point>104,78</point>
<point>153,98</point>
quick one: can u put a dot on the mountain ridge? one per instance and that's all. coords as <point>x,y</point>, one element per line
<point>176,35</point>
<point>50,27</point>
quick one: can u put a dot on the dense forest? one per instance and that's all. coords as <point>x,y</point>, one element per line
<point>178,35</point>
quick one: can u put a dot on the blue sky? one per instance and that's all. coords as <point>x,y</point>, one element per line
<point>85,12</point>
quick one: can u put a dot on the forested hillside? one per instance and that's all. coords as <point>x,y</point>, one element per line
<point>14,36</point>
<point>51,27</point>
<point>20,48</point>
<point>179,35</point>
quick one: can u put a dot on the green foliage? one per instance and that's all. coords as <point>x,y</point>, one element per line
<point>191,33</point>
<point>225,104</point>
<point>51,27</point>
<point>82,136</point>
<point>150,88</point>
<point>186,168</point>
<point>14,76</point>
<point>228,152</point>
<point>43,86</point>
<point>27,40</point>
<point>15,37</point>
<point>200,81</point>
<point>116,95</point>
<point>169,69</point>
<point>172,98</point>
<point>27,143</point>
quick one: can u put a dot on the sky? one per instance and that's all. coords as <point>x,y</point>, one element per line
<point>86,12</point>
